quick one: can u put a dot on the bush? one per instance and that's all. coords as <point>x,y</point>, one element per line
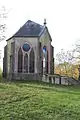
<point>0,74</point>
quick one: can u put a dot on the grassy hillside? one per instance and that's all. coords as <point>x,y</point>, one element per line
<point>35,101</point>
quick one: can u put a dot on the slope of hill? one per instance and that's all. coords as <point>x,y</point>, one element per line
<point>37,101</point>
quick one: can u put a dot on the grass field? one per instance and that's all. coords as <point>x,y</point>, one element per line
<point>37,101</point>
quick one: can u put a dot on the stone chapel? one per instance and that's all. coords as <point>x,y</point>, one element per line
<point>29,53</point>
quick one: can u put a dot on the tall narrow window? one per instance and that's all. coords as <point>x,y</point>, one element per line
<point>12,55</point>
<point>32,61</point>
<point>26,63</point>
<point>44,59</point>
<point>20,60</point>
<point>40,51</point>
<point>40,64</point>
<point>47,63</point>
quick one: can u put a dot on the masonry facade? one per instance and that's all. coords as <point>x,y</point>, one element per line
<point>29,53</point>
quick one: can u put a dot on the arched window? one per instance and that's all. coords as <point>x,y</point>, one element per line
<point>40,64</point>
<point>32,61</point>
<point>47,63</point>
<point>20,60</point>
<point>26,63</point>
<point>40,51</point>
<point>44,59</point>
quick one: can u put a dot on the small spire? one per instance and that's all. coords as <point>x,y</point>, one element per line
<point>45,22</point>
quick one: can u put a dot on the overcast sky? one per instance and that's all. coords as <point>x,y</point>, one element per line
<point>63,19</point>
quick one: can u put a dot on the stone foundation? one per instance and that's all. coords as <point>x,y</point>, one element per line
<point>24,76</point>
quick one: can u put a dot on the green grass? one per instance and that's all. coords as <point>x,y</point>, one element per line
<point>38,101</point>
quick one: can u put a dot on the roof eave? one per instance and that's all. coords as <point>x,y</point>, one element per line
<point>49,33</point>
<point>43,32</point>
<point>9,38</point>
<point>22,37</point>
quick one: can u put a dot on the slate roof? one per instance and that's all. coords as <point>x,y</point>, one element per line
<point>30,28</point>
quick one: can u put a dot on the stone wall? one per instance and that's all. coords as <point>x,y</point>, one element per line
<point>5,62</point>
<point>24,76</point>
<point>18,42</point>
<point>60,80</point>
<point>9,54</point>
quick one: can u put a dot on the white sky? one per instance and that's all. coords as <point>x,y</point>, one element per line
<point>63,19</point>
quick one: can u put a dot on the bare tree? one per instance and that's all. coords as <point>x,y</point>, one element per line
<point>77,51</point>
<point>66,62</point>
<point>65,56</point>
<point>3,16</point>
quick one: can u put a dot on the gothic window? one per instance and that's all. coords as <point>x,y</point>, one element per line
<point>47,63</point>
<point>26,47</point>
<point>44,49</point>
<point>10,63</point>
<point>26,63</point>
<point>20,60</point>
<point>32,61</point>
<point>44,59</point>
<point>44,52</point>
<point>40,64</point>
<point>40,54</point>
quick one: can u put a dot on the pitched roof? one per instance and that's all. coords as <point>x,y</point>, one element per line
<point>30,28</point>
